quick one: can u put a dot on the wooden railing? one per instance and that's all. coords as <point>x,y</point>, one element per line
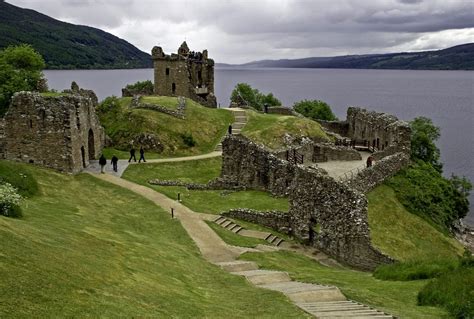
<point>294,157</point>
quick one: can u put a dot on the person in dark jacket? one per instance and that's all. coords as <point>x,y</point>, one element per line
<point>370,160</point>
<point>142,155</point>
<point>132,155</point>
<point>229,129</point>
<point>114,162</point>
<point>102,162</point>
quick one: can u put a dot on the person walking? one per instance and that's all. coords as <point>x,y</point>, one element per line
<point>102,162</point>
<point>369,161</point>
<point>132,155</point>
<point>142,155</point>
<point>114,162</point>
<point>229,129</point>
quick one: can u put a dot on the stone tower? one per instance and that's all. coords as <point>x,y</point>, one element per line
<point>186,73</point>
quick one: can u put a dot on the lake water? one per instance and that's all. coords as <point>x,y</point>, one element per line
<point>447,97</point>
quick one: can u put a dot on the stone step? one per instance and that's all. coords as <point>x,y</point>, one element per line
<point>356,316</point>
<point>230,226</point>
<point>271,238</point>
<point>347,314</point>
<point>300,292</point>
<point>219,219</point>
<point>222,221</point>
<point>226,223</point>
<point>278,242</point>
<point>254,234</point>
<point>238,265</point>
<point>236,126</point>
<point>295,286</point>
<point>262,277</point>
<point>237,229</point>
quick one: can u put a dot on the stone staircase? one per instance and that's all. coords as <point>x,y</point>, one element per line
<point>321,301</point>
<point>237,229</point>
<point>239,123</point>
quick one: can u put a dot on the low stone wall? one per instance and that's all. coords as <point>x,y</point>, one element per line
<point>217,183</point>
<point>128,92</point>
<point>180,111</point>
<point>280,110</point>
<point>339,127</point>
<point>316,201</point>
<point>323,152</point>
<point>369,178</point>
<point>279,221</point>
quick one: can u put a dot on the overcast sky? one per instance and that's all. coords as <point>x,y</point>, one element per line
<point>237,31</point>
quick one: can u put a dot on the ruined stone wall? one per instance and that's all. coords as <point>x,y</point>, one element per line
<point>280,110</point>
<point>380,130</point>
<point>247,164</point>
<point>338,127</point>
<point>370,177</point>
<point>60,132</point>
<point>316,201</point>
<point>279,221</point>
<point>323,152</point>
<point>184,74</point>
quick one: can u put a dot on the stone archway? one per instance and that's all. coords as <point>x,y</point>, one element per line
<point>91,144</point>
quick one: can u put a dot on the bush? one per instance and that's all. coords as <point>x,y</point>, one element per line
<point>20,70</point>
<point>14,174</point>
<point>425,192</point>
<point>141,87</point>
<point>453,290</point>
<point>244,94</point>
<point>188,139</point>
<point>423,136</point>
<point>111,103</point>
<point>415,269</point>
<point>9,201</point>
<point>315,109</point>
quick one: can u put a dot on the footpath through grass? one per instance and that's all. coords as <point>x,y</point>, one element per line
<point>270,129</point>
<point>86,248</point>
<point>203,201</point>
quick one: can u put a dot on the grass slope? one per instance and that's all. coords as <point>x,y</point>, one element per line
<point>398,298</point>
<point>201,171</point>
<point>403,235</point>
<point>206,125</point>
<point>270,129</point>
<point>234,239</point>
<point>86,248</point>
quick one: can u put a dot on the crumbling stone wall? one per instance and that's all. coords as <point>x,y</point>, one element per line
<point>180,111</point>
<point>130,92</point>
<point>188,74</point>
<point>60,132</point>
<point>323,212</point>
<point>279,221</point>
<point>370,177</point>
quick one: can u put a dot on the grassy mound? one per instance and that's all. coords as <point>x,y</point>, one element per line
<point>205,125</point>
<point>204,201</point>
<point>270,129</point>
<point>19,176</point>
<point>403,235</point>
<point>86,248</point>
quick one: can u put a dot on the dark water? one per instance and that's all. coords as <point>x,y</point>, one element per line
<point>447,97</point>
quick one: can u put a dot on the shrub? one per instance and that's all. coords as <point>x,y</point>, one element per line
<point>415,269</point>
<point>141,87</point>
<point>9,201</point>
<point>14,174</point>
<point>188,139</point>
<point>453,290</point>
<point>111,103</point>
<point>425,192</point>
<point>423,136</point>
<point>244,94</point>
<point>315,109</point>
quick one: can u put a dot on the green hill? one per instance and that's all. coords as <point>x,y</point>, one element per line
<point>67,46</point>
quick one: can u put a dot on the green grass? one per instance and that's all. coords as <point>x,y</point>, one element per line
<point>269,129</point>
<point>416,269</point>
<point>454,290</point>
<point>234,239</point>
<point>166,101</point>
<point>203,201</point>
<point>405,236</point>
<point>14,174</point>
<point>252,226</point>
<point>86,248</point>
<point>206,125</point>
<point>396,297</point>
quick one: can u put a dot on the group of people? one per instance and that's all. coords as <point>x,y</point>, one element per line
<point>114,159</point>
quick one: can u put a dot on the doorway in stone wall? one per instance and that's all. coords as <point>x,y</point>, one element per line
<point>313,230</point>
<point>83,156</point>
<point>91,145</point>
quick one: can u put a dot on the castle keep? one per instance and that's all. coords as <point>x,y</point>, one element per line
<point>61,132</point>
<point>186,73</point>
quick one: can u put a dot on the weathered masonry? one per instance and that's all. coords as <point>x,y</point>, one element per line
<point>186,73</point>
<point>61,132</point>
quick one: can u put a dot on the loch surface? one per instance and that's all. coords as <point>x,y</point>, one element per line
<point>447,97</point>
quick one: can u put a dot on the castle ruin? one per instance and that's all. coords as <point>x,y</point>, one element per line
<point>57,131</point>
<point>185,73</point>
